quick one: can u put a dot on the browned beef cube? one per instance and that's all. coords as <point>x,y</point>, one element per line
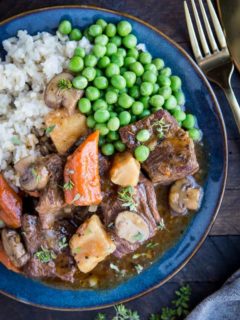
<point>172,154</point>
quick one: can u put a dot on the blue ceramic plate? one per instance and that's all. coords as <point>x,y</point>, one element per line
<point>200,100</point>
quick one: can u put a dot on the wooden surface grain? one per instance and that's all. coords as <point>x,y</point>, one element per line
<point>219,256</point>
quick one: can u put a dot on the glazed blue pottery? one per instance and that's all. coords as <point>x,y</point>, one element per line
<point>200,101</point>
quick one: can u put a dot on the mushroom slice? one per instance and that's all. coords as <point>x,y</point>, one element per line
<point>35,177</point>
<point>131,227</point>
<point>60,93</point>
<point>14,248</point>
<point>185,194</point>
<point>23,164</point>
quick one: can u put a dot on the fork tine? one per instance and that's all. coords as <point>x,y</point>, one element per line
<point>200,29</point>
<point>217,26</point>
<point>195,47</point>
<point>208,28</point>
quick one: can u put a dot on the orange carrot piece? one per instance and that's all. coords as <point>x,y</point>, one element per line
<point>10,205</point>
<point>81,174</point>
<point>6,261</point>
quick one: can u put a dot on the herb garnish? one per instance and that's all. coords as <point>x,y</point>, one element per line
<point>161,127</point>
<point>115,268</point>
<point>77,197</point>
<point>50,129</point>
<point>138,255</point>
<point>68,185</point>
<point>36,175</point>
<point>63,243</point>
<point>138,236</point>
<point>138,268</point>
<point>15,140</point>
<point>100,316</point>
<point>45,255</point>
<point>161,225</point>
<point>126,196</point>
<point>64,84</point>
<point>151,245</point>
<point>76,250</point>
<point>122,313</point>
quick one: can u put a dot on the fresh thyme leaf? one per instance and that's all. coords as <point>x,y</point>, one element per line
<point>76,250</point>
<point>64,84</point>
<point>138,255</point>
<point>50,129</point>
<point>68,185</point>
<point>138,268</point>
<point>161,127</point>
<point>126,196</point>
<point>161,225</point>
<point>115,268</point>
<point>182,302</point>
<point>69,171</point>
<point>45,255</point>
<point>138,236</point>
<point>63,243</point>
<point>15,140</point>
<point>168,314</point>
<point>151,245</point>
<point>101,316</point>
<point>122,313</point>
<point>77,197</point>
<point>110,225</point>
<point>36,175</point>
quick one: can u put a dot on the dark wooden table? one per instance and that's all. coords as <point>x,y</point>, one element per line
<point>219,256</point>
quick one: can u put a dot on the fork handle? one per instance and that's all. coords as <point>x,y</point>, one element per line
<point>234,105</point>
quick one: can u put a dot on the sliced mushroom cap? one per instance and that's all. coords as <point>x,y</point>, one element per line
<point>35,177</point>
<point>185,194</point>
<point>22,165</point>
<point>131,227</point>
<point>14,248</point>
<point>59,93</point>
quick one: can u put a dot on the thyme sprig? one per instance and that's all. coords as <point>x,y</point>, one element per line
<point>126,196</point>
<point>45,255</point>
<point>161,127</point>
<point>64,84</point>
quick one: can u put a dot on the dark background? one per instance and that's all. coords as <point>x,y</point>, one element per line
<point>219,256</point>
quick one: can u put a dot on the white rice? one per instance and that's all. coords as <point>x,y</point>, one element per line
<point>31,61</point>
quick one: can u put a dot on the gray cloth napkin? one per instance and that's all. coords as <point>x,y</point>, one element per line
<point>222,305</point>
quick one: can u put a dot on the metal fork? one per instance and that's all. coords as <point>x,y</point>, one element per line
<point>216,62</point>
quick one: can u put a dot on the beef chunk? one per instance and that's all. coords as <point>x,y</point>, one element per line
<point>145,208</point>
<point>172,155</point>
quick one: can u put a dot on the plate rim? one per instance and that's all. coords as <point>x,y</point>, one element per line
<point>218,111</point>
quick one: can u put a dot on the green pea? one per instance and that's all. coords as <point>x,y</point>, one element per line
<point>99,50</point>
<point>75,34</point>
<point>116,40</point>
<point>143,135</point>
<point>119,146</point>
<point>155,88</point>
<point>102,129</point>
<point>100,82</point>
<point>84,105</point>
<point>99,73</point>
<point>112,70</point>
<point>107,149</point>
<point>118,82</point>
<point>87,35</point>
<point>137,68</point>
<point>95,30</point>
<point>141,153</point>
<point>130,41</point>
<point>179,115</point>
<point>117,59</point>
<point>128,61</point>
<point>137,108</point>
<point>195,134</point>
<point>145,102</point>
<point>146,88</point>
<point>125,101</point>
<point>189,121</point>
<point>110,30</point>
<point>92,93</point>
<point>179,95</point>
<point>149,76</point>
<point>113,124</point>
<point>166,72</point>
<point>80,82</point>
<point>103,62</point>
<point>150,67</point>
<point>165,92</point>
<point>111,49</point>
<point>100,104</point>
<point>125,118</point>
<point>79,52</point>
<point>111,97</point>
<point>170,103</point>
<point>159,63</point>
<point>65,27</point>
<point>101,116</point>
<point>144,114</point>
<point>157,101</point>
<point>134,92</point>
<point>133,52</point>
<point>124,28</point>
<point>112,114</point>
<point>75,64</point>
<point>163,81</point>
<point>130,78</point>
<point>102,39</point>
<point>90,60</point>
<point>176,83</point>
<point>91,122</point>
<point>122,52</point>
<point>89,73</point>
<point>145,57</point>
<point>113,135</point>
<point>101,23</point>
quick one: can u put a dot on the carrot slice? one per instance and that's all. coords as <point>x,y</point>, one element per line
<point>6,261</point>
<point>10,205</point>
<point>81,174</point>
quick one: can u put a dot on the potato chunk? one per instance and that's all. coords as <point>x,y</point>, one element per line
<point>91,244</point>
<point>125,170</point>
<point>66,129</point>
